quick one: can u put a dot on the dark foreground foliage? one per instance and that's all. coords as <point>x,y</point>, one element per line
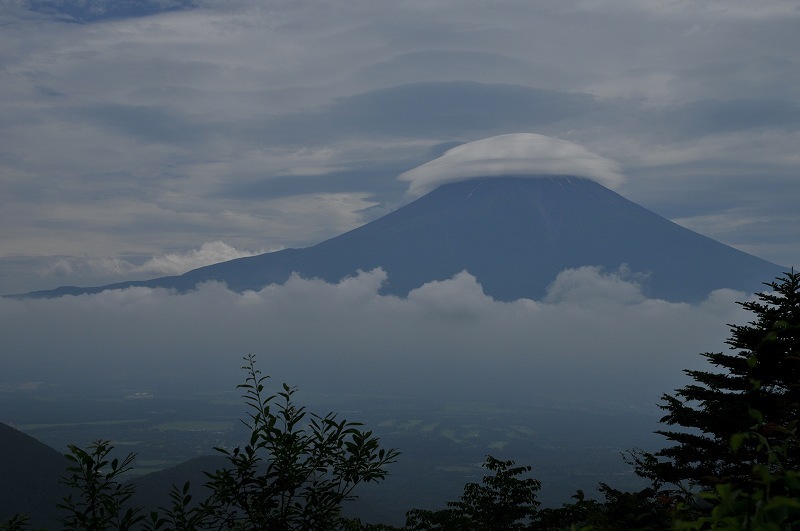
<point>733,463</point>
<point>295,472</point>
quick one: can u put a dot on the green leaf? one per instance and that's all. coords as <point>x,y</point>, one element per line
<point>737,439</point>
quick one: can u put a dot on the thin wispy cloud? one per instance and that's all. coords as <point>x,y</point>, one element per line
<point>168,264</point>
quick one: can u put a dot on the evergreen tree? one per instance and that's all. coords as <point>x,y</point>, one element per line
<point>755,389</point>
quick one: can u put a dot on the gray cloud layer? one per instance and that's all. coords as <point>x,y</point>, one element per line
<point>594,340</point>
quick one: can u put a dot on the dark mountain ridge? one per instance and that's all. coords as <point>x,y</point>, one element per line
<point>513,234</point>
<point>31,480</point>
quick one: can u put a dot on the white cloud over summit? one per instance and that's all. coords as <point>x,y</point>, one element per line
<point>518,154</point>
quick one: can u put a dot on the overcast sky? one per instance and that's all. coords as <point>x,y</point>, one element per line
<point>146,138</point>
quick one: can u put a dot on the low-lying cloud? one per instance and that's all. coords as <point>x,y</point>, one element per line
<point>608,347</point>
<point>519,154</point>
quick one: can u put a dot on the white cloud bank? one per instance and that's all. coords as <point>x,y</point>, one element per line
<point>608,347</point>
<point>518,154</point>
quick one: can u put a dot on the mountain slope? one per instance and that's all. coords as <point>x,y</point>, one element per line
<point>30,482</point>
<point>514,234</point>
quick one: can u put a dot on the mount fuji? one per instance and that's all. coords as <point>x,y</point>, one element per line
<point>514,234</point>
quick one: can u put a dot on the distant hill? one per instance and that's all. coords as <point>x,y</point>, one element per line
<point>30,474</point>
<point>152,490</point>
<point>514,234</point>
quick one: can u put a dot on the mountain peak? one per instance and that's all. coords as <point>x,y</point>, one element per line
<point>514,234</point>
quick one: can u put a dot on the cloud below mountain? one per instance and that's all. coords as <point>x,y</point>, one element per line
<point>608,347</point>
<point>518,154</point>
